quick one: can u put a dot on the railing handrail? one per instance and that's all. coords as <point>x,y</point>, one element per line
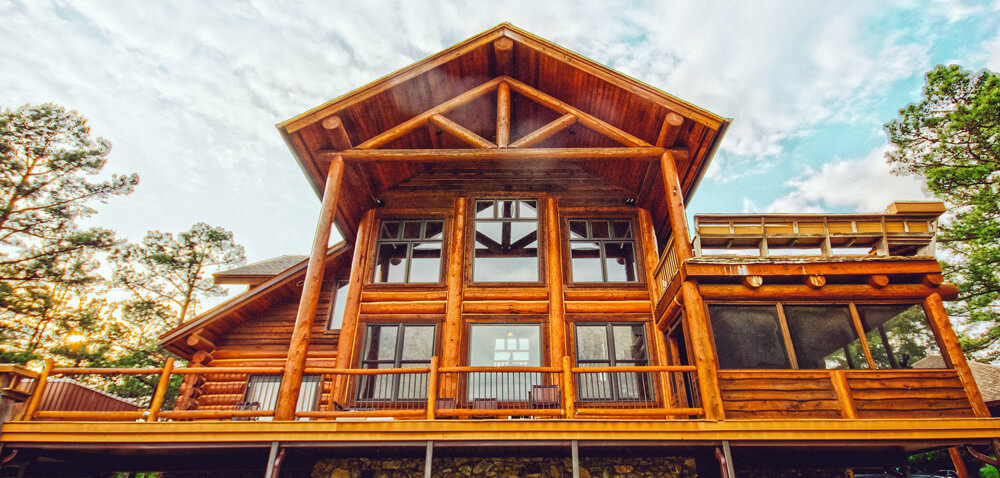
<point>636,368</point>
<point>466,369</point>
<point>364,371</point>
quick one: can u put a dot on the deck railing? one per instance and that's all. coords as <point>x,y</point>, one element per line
<point>245,393</point>
<point>667,268</point>
<point>827,235</point>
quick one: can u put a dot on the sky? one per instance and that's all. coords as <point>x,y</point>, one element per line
<point>188,92</point>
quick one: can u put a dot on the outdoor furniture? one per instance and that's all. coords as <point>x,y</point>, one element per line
<point>544,396</point>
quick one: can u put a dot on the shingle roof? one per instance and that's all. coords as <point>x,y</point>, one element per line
<point>987,376</point>
<point>272,266</point>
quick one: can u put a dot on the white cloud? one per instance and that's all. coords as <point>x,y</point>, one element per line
<point>863,184</point>
<point>993,52</point>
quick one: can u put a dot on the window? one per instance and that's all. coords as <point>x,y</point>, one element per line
<point>396,346</point>
<point>820,336</point>
<point>409,251</point>
<point>263,391</point>
<point>602,250</point>
<point>612,345</point>
<point>504,345</point>
<point>506,241</point>
<point>337,306</point>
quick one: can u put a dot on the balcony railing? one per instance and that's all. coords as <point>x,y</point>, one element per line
<point>243,393</point>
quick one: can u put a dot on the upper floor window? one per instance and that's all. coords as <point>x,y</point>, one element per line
<point>506,241</point>
<point>602,250</point>
<point>820,336</point>
<point>396,346</point>
<point>337,305</point>
<point>409,251</point>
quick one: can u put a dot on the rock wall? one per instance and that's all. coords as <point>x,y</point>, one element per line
<point>507,467</point>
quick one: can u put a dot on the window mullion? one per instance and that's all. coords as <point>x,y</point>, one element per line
<point>786,335</point>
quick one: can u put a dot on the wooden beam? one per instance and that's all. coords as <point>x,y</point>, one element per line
<point>503,115</point>
<point>932,280</point>
<point>585,118</point>
<point>408,125</point>
<point>814,281</point>
<point>451,348</point>
<point>352,306</point>
<point>804,292</point>
<point>675,207</point>
<point>553,266</point>
<point>335,132</point>
<point>878,281</point>
<point>669,130</point>
<point>298,347</point>
<point>503,54</point>
<point>951,351</point>
<point>508,154</point>
<point>199,342</point>
<point>546,131</point>
<point>704,353</point>
<point>709,266</point>
<point>461,132</point>
<point>753,282</point>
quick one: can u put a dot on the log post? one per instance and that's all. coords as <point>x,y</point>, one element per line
<point>704,354</point>
<point>647,238</point>
<point>503,53</point>
<point>432,388</point>
<point>352,306</point>
<point>951,351</point>
<point>452,333</point>
<point>298,347</point>
<point>161,391</point>
<point>36,397</point>
<point>675,207</point>
<point>557,309</point>
<point>569,391</point>
<point>669,129</point>
<point>503,115</point>
<point>843,392</point>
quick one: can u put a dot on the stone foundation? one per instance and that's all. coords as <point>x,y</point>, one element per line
<point>507,467</point>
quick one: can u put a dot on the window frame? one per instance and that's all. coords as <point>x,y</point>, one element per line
<point>470,243</point>
<point>397,361</point>
<point>612,361</point>
<point>856,325</point>
<point>337,284</point>
<point>371,265</point>
<point>567,250</point>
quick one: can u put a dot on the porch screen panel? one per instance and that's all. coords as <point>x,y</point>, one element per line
<point>898,334</point>
<point>748,336</point>
<point>824,337</point>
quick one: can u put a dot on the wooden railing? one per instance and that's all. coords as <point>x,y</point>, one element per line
<point>827,234</point>
<point>415,393</point>
<point>666,269</point>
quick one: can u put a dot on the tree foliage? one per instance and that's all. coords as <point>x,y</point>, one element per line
<point>952,139</point>
<point>167,270</point>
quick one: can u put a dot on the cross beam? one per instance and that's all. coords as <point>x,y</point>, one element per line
<point>460,155</point>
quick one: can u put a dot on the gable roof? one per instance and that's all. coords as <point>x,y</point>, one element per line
<point>258,272</point>
<point>987,376</point>
<point>639,110</point>
<point>217,320</point>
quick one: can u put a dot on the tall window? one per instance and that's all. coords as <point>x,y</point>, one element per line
<point>504,345</point>
<point>337,306</point>
<point>506,243</point>
<point>396,346</point>
<point>409,251</point>
<point>820,336</point>
<point>602,250</point>
<point>611,345</point>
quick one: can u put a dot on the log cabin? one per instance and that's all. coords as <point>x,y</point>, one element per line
<point>518,282</point>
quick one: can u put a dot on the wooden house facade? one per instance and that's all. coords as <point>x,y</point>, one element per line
<point>518,277</point>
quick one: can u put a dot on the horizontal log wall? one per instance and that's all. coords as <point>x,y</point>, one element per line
<point>909,394</point>
<point>778,393</point>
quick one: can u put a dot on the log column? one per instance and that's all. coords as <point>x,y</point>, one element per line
<point>352,306</point>
<point>451,348</point>
<point>553,266</point>
<point>951,351</point>
<point>694,306</point>
<point>298,348</point>
<point>647,238</point>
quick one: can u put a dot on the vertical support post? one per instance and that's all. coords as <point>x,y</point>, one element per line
<point>647,235</point>
<point>675,208</point>
<point>843,392</point>
<point>298,347</point>
<point>36,397</point>
<point>569,391</point>
<point>429,459</point>
<point>432,388</point>
<point>161,391</point>
<point>574,451</point>
<point>349,328</point>
<point>728,453</point>
<point>503,115</point>
<point>452,333</point>
<point>704,353</point>
<point>272,457</point>
<point>958,462</point>
<point>557,309</point>
<point>951,351</point>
